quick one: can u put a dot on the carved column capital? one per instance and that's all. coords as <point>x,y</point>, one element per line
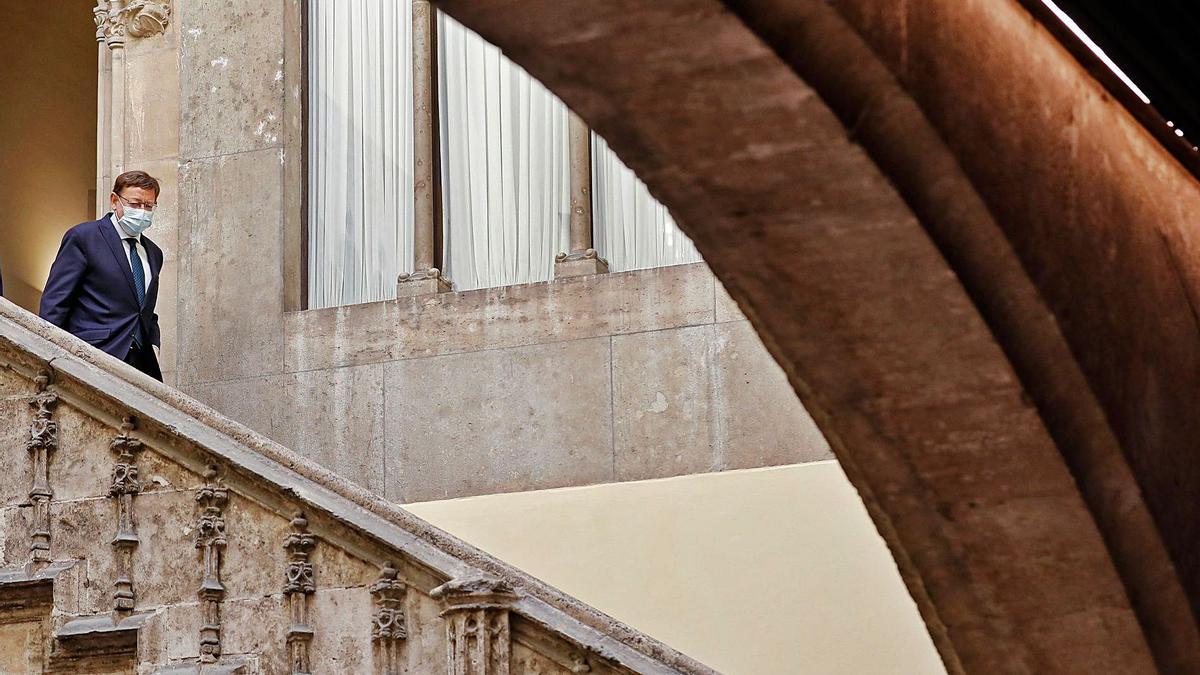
<point>118,20</point>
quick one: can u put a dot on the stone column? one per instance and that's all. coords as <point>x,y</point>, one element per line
<point>478,634</point>
<point>582,258</point>
<point>103,93</point>
<point>115,149</point>
<point>116,21</point>
<point>427,214</point>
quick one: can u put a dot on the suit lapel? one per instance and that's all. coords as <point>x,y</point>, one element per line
<point>108,230</point>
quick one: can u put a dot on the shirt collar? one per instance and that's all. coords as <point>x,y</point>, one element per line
<point>112,216</point>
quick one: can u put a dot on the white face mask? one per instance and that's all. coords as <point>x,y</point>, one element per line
<point>135,221</point>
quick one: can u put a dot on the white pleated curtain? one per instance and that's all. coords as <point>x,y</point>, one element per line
<point>630,228</point>
<point>505,164</point>
<point>360,187</point>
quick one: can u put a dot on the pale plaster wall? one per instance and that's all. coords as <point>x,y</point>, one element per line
<point>47,139</point>
<point>756,572</point>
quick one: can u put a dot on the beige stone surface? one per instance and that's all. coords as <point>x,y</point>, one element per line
<point>229,282</point>
<point>231,78</point>
<point>337,418</point>
<point>152,101</point>
<point>726,309</point>
<point>499,421</point>
<point>663,405</point>
<point>759,420</point>
<point>22,647</point>
<point>14,463</point>
<point>342,646</point>
<point>257,402</point>
<point>447,323</point>
<point>706,398</point>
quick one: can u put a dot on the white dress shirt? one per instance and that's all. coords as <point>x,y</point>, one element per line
<point>140,246</point>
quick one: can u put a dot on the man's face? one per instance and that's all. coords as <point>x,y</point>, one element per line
<point>134,197</point>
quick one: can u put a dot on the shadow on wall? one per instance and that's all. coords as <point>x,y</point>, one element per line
<point>47,140</point>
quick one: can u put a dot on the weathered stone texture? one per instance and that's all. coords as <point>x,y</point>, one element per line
<point>856,303</point>
<point>494,318</point>
<point>525,387</point>
<point>231,78</point>
<point>535,417</point>
<point>229,288</point>
<point>1100,215</point>
<point>235,518</point>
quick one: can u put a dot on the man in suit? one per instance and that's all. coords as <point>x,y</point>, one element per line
<point>103,285</point>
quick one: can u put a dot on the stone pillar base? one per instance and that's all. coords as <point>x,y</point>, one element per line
<point>424,282</point>
<point>579,263</point>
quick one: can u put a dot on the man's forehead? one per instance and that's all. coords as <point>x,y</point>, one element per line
<point>137,193</point>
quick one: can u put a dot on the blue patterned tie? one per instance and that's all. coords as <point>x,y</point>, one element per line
<point>139,283</point>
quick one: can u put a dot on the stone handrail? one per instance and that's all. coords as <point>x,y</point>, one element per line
<point>343,514</point>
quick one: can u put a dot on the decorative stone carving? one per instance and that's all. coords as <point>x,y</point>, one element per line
<point>422,282</point>
<point>390,627</point>
<point>579,263</point>
<point>298,585</point>
<point>210,539</point>
<point>579,663</point>
<point>117,20</point>
<point>478,634</point>
<point>43,441</point>
<point>125,486</point>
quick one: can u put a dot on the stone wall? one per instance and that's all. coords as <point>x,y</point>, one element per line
<point>636,375</point>
<point>613,377</point>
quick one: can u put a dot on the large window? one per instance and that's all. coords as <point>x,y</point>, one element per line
<point>505,184</point>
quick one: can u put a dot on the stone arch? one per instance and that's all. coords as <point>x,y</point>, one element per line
<point>877,278</point>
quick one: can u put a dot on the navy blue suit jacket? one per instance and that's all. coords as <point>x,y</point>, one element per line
<point>90,292</point>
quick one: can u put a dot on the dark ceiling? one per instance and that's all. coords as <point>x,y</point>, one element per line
<point>1157,44</point>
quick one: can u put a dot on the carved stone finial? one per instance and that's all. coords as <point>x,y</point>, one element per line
<point>210,539</point>
<point>298,585</point>
<point>125,486</point>
<point>389,622</point>
<point>42,442</point>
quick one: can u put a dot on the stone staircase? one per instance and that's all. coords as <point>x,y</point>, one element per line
<point>141,532</point>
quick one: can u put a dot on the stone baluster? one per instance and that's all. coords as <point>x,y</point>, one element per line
<point>210,539</point>
<point>43,441</point>
<point>389,624</point>
<point>125,486</point>
<point>299,584</point>
<point>582,259</point>
<point>427,213</point>
<point>479,639</point>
